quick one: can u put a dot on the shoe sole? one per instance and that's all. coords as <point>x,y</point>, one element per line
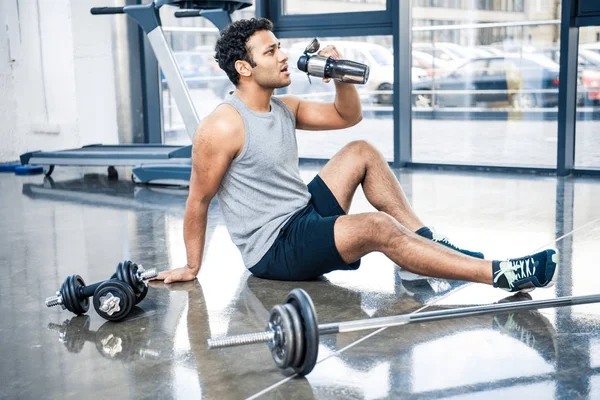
<point>556,260</point>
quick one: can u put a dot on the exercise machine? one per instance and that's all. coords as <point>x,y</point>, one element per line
<point>153,163</point>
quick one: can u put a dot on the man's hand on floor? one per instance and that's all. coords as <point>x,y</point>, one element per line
<point>182,274</point>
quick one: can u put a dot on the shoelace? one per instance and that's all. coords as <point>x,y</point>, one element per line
<point>522,333</point>
<point>515,270</point>
<point>443,239</point>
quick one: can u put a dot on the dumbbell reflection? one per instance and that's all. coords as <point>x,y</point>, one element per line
<point>111,340</point>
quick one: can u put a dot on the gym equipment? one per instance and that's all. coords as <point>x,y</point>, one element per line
<point>135,276</point>
<point>284,338</point>
<point>128,283</point>
<point>8,167</point>
<point>112,341</point>
<point>29,170</point>
<point>326,67</point>
<point>155,163</point>
<point>113,299</point>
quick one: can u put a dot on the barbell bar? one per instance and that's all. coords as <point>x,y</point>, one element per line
<point>282,333</point>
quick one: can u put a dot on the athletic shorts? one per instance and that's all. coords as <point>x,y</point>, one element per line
<point>305,247</point>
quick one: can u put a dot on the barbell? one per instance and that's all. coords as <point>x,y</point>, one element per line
<point>292,331</point>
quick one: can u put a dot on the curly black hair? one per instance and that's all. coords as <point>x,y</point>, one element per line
<point>231,46</point>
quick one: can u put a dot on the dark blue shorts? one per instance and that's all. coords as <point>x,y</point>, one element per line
<point>305,247</point>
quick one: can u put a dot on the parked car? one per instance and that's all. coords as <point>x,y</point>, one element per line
<point>595,47</point>
<point>483,81</point>
<point>381,63</point>
<point>451,52</point>
<point>195,69</point>
<point>432,66</point>
<point>588,69</point>
<point>379,85</point>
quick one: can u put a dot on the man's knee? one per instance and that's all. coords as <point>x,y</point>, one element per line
<point>384,228</point>
<point>361,148</point>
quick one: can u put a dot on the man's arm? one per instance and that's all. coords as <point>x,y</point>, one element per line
<point>344,112</point>
<point>218,140</point>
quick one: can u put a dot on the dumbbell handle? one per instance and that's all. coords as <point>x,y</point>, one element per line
<point>144,276</point>
<point>82,293</point>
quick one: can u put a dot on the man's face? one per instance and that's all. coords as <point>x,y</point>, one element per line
<point>271,70</point>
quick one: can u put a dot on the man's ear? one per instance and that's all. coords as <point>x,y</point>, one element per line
<point>243,68</point>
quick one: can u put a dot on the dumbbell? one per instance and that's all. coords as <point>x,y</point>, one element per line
<point>113,299</point>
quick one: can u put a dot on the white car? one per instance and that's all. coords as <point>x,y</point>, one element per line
<point>380,61</point>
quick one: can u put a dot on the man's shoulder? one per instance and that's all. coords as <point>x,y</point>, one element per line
<point>224,120</point>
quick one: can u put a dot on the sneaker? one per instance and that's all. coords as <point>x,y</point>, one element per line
<point>526,273</point>
<point>441,239</point>
<point>531,327</point>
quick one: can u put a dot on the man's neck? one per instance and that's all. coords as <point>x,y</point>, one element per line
<point>257,99</point>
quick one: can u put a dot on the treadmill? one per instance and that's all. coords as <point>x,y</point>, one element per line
<point>153,163</point>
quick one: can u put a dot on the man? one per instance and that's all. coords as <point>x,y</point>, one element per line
<point>245,152</point>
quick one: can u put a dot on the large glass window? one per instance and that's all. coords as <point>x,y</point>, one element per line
<point>376,96</point>
<point>291,7</point>
<point>487,87</point>
<point>192,41</point>
<point>587,134</point>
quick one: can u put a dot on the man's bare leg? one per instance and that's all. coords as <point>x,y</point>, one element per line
<point>359,234</point>
<point>360,163</point>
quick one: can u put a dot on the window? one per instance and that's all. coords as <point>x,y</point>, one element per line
<point>471,69</point>
<point>293,7</point>
<point>587,140</point>
<point>376,96</point>
<point>493,98</point>
<point>192,41</point>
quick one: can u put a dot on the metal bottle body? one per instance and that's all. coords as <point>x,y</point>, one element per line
<point>341,70</point>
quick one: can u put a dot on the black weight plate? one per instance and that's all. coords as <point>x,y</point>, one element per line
<point>127,272</point>
<point>302,302</point>
<point>69,293</point>
<point>118,289</point>
<point>298,335</point>
<point>75,333</point>
<point>281,322</point>
<point>137,285</point>
<point>140,296</point>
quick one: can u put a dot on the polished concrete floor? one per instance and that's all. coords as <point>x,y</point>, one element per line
<point>85,224</point>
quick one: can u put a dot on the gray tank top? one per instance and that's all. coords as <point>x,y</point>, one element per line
<point>262,188</point>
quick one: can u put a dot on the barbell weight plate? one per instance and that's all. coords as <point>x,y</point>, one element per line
<point>69,293</point>
<point>302,302</point>
<point>282,349</point>
<point>119,289</point>
<point>298,335</point>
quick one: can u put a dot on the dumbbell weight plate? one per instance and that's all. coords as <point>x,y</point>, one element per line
<point>140,296</point>
<point>125,299</point>
<point>75,333</point>
<point>69,290</point>
<point>282,349</point>
<point>298,335</point>
<point>304,305</point>
<point>127,272</point>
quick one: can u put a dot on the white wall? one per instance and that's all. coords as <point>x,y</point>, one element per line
<point>57,85</point>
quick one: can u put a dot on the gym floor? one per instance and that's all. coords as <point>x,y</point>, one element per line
<point>85,224</point>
